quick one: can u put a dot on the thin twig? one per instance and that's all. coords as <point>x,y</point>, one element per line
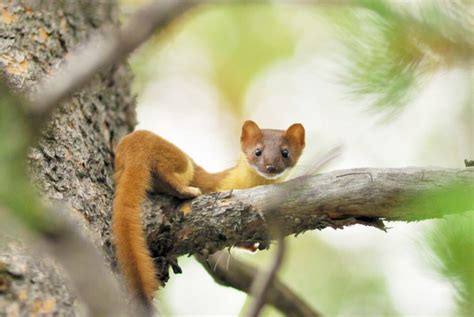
<point>263,281</point>
<point>325,159</point>
<point>240,275</point>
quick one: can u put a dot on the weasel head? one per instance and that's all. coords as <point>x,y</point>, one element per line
<point>272,152</point>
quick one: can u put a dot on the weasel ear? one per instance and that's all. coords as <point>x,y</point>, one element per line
<point>295,133</point>
<point>250,132</point>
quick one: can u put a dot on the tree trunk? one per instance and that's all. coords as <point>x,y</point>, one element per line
<point>72,161</point>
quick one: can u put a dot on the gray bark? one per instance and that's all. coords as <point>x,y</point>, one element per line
<point>359,196</point>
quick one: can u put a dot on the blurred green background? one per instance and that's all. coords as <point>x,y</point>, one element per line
<point>391,81</point>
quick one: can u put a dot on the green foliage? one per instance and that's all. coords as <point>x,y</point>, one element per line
<point>452,240</point>
<point>452,244</point>
<point>16,192</point>
<point>389,51</point>
<point>454,198</point>
<point>241,40</point>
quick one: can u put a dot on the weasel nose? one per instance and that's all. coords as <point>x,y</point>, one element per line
<point>270,168</point>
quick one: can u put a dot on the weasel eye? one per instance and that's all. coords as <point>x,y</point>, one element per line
<point>258,152</point>
<point>284,153</point>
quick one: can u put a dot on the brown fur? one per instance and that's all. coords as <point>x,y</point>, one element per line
<point>144,161</point>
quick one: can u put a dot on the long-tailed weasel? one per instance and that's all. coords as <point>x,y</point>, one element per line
<point>144,161</point>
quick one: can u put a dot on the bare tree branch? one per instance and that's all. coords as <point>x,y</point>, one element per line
<point>366,196</point>
<point>358,196</point>
<point>227,270</point>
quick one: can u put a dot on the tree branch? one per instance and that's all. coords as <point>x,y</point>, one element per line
<point>228,270</point>
<point>358,196</point>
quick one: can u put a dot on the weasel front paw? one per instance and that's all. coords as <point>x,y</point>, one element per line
<point>194,192</point>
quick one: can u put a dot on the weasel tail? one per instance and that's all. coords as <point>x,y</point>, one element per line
<point>133,179</point>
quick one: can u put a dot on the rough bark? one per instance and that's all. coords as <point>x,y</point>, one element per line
<point>336,199</point>
<point>72,162</point>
